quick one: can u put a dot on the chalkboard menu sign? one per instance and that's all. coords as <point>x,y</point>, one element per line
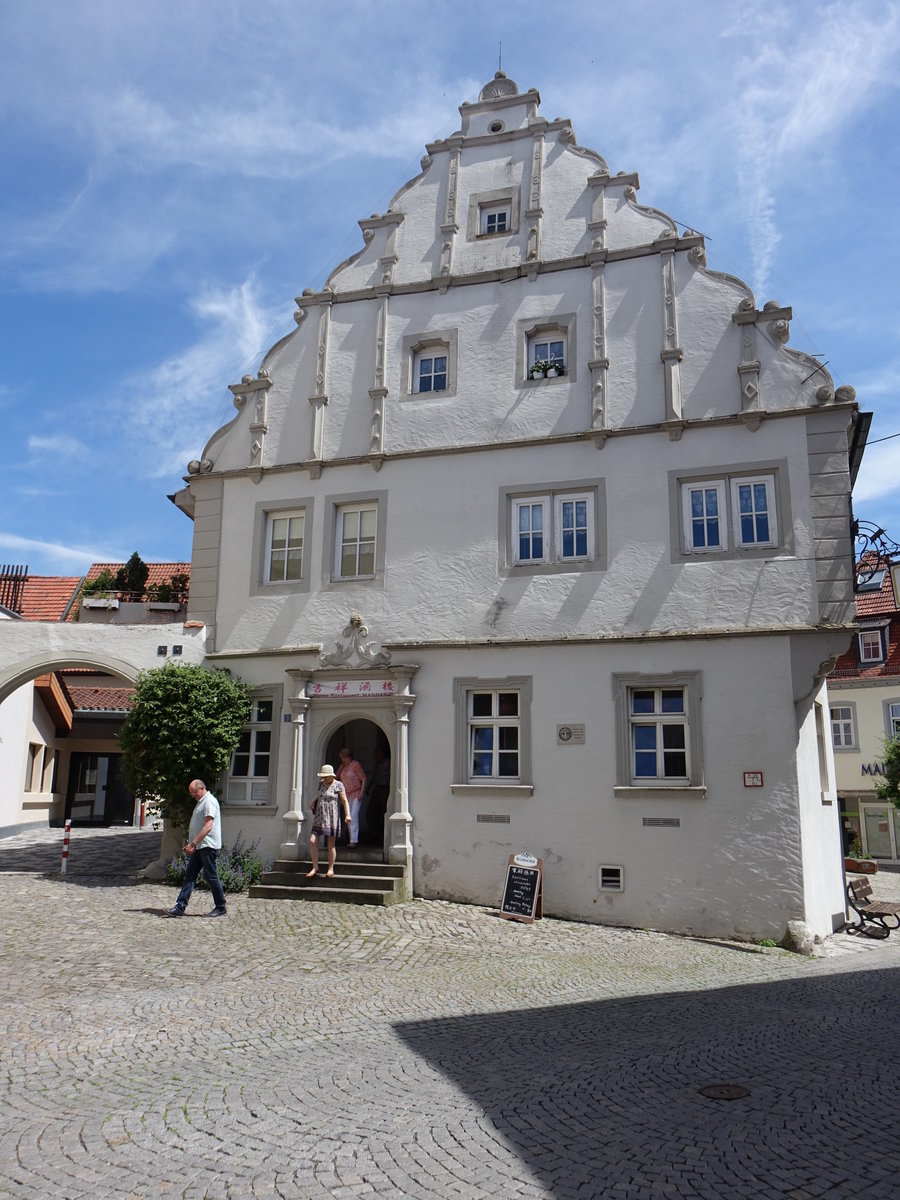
<point>523,889</point>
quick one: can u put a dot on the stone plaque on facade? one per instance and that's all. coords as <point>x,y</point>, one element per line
<point>570,735</point>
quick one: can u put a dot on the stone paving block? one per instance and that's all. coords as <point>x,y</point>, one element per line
<point>425,1050</point>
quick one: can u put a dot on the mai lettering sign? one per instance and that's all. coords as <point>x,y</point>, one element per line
<point>523,889</point>
<point>356,689</point>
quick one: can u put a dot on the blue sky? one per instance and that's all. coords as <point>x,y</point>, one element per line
<point>174,174</point>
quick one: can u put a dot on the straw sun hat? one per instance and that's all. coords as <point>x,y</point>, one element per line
<point>327,769</point>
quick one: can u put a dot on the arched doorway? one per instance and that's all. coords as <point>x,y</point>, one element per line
<point>371,748</point>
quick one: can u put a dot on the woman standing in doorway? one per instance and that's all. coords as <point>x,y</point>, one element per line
<point>330,799</point>
<point>353,777</point>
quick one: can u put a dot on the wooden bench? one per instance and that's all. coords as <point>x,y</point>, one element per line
<point>874,915</point>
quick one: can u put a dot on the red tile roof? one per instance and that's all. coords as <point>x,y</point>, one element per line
<point>100,699</point>
<point>160,572</point>
<point>46,597</point>
<point>877,609</point>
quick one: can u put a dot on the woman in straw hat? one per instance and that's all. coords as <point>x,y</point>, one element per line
<point>331,800</point>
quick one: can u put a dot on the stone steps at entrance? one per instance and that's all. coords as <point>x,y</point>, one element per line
<point>359,878</point>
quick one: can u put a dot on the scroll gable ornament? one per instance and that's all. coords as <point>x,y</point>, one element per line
<point>357,644</point>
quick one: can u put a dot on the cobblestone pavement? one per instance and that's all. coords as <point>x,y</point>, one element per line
<point>426,1050</point>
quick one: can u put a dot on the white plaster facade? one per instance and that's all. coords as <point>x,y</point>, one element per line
<point>674,383</point>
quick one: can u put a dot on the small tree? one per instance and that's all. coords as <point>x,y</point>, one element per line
<point>132,577</point>
<point>184,723</point>
<point>890,789</point>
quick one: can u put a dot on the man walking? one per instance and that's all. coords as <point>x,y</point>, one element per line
<point>203,845</point>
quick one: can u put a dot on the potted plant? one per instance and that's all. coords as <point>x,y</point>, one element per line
<point>856,862</point>
<point>538,369</point>
<point>554,368</point>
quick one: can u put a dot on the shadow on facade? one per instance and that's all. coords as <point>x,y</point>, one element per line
<point>603,1099</point>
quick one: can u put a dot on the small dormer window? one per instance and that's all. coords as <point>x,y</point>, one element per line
<point>494,218</point>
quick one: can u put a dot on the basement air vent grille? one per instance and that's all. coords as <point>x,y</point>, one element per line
<point>612,879</point>
<point>493,818</point>
<point>662,822</point>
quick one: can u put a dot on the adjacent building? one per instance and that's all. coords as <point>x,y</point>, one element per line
<point>547,518</point>
<point>59,754</point>
<point>864,698</point>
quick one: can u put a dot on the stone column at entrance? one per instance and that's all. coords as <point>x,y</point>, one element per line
<point>293,819</point>
<point>400,846</point>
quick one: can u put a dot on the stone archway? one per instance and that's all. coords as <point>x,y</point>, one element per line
<point>38,742</point>
<point>324,700</point>
<point>370,745</point>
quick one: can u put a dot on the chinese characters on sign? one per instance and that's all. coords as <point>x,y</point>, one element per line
<point>353,688</point>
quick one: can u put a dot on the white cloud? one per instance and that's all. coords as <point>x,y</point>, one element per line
<point>797,90</point>
<point>74,555</point>
<point>58,445</point>
<point>170,408</point>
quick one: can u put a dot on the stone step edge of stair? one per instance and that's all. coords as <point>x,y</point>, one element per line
<point>296,879</point>
<point>344,866</point>
<point>340,895</point>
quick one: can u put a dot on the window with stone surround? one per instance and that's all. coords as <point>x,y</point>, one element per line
<point>658,736</point>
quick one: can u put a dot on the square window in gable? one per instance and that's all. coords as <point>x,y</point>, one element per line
<point>429,364</point>
<point>546,349</point>
<point>494,218</point>
<point>430,370</point>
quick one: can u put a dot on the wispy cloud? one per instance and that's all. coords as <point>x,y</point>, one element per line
<point>804,82</point>
<point>60,445</point>
<point>176,406</point>
<point>74,555</point>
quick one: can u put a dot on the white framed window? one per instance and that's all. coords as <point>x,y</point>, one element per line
<point>546,348</point>
<point>253,758</point>
<point>430,370</point>
<point>892,717</point>
<point>284,546</point>
<point>429,364</point>
<point>492,733</point>
<point>843,726</point>
<point>280,561</point>
<point>753,509</point>
<point>546,355</point>
<point>494,218</point>
<point>553,528</point>
<point>657,718</point>
<point>705,518</point>
<point>871,646</point>
<point>493,213</point>
<point>658,734</point>
<point>356,529</point>
<point>732,514</point>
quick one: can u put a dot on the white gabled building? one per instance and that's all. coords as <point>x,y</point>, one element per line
<point>595,608</point>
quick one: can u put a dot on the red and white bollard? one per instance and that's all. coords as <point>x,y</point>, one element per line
<point>62,869</point>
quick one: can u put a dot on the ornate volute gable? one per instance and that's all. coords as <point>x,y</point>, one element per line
<point>653,339</point>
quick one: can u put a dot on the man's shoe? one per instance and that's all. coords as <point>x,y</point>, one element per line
<point>216,912</point>
<point>175,912</point>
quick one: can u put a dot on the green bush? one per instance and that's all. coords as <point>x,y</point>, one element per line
<point>238,867</point>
